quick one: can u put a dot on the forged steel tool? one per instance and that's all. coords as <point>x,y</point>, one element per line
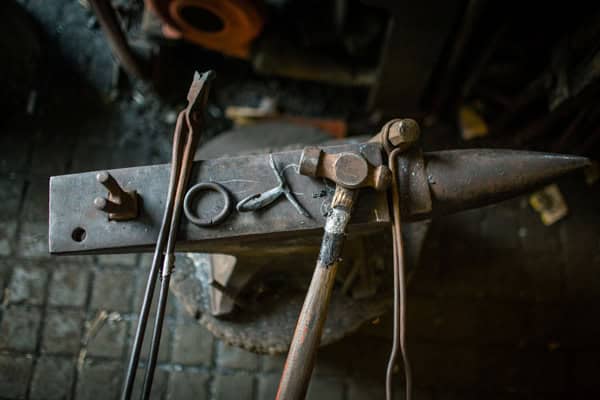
<point>349,171</point>
<point>257,201</point>
<point>180,170</point>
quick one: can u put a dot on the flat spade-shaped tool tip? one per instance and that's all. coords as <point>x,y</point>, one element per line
<point>464,179</point>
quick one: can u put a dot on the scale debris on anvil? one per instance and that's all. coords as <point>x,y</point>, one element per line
<point>121,210</point>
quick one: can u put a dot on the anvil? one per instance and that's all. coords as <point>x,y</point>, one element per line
<point>431,184</point>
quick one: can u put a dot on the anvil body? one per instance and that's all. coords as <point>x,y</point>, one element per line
<point>431,184</point>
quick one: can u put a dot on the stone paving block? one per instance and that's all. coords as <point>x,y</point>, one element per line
<point>165,340</point>
<point>363,390</point>
<point>8,231</point>
<point>112,290</point>
<point>238,386</point>
<point>139,287</point>
<point>188,385</point>
<point>15,160</point>
<point>19,328</point>
<point>323,388</point>
<point>62,332</point>
<point>69,285</point>
<point>52,378</point>
<point>358,357</point>
<point>336,359</point>
<point>272,363</point>
<point>127,260</point>
<point>99,379</point>
<point>192,344</point>
<point>236,358</point>
<point>267,386</point>
<point>33,240</point>
<point>109,339</point>
<point>51,154</point>
<point>159,384</point>
<point>14,375</point>
<point>11,191</point>
<point>35,204</point>
<point>27,284</point>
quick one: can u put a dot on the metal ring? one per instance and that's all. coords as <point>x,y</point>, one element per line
<point>191,194</point>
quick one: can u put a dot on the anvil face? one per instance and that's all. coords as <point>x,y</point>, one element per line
<point>72,209</point>
<point>430,184</point>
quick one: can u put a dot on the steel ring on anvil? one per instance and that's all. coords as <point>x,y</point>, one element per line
<point>191,195</point>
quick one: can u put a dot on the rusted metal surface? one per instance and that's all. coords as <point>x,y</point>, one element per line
<point>257,201</point>
<point>275,294</point>
<point>454,180</point>
<point>227,26</point>
<point>347,169</point>
<point>398,133</point>
<point>215,219</point>
<point>464,179</point>
<point>71,207</point>
<point>117,40</point>
<point>121,205</point>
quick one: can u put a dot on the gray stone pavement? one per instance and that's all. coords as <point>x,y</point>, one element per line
<point>501,307</point>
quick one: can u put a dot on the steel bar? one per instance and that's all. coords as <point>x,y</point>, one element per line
<point>117,39</point>
<point>399,333</point>
<point>197,98</point>
<point>156,262</point>
<point>452,181</point>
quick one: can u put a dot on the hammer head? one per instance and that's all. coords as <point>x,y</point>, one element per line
<point>350,170</point>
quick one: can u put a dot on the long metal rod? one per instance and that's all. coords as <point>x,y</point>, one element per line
<point>399,338</point>
<point>156,262</point>
<point>117,39</point>
<point>169,259</point>
<point>181,165</point>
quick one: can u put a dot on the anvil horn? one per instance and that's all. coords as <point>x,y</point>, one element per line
<point>465,179</point>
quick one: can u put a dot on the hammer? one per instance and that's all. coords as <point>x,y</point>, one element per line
<point>350,171</point>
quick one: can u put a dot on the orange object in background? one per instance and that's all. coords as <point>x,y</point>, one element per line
<point>226,26</point>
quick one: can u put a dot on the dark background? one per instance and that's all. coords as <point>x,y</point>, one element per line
<point>500,307</point>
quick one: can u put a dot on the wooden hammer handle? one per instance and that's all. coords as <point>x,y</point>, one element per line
<point>307,335</point>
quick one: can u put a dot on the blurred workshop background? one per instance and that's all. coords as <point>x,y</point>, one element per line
<point>503,303</point>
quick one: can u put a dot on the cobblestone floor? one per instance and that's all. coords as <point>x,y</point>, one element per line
<point>501,307</point>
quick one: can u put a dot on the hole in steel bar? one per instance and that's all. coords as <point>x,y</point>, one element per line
<point>78,234</point>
